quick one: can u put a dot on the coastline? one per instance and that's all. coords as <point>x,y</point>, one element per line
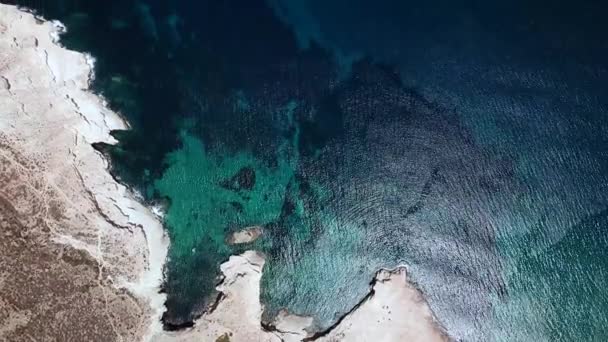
<point>51,116</point>
<point>394,310</point>
<point>51,119</point>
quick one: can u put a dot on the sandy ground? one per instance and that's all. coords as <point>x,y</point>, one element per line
<point>81,259</point>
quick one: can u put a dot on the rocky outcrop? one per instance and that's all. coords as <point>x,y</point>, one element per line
<point>238,315</point>
<point>246,235</point>
<point>394,310</point>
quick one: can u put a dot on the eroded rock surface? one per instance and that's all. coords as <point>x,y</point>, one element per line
<point>393,311</point>
<point>80,259</point>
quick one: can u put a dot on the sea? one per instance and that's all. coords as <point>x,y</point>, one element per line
<point>467,140</point>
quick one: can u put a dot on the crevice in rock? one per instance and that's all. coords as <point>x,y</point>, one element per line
<point>46,60</point>
<point>269,327</point>
<point>218,299</point>
<point>6,84</point>
<point>98,207</point>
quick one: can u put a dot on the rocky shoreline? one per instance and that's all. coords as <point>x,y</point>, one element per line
<point>82,259</point>
<point>48,123</point>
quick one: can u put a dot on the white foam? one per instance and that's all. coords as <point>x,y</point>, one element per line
<point>158,211</point>
<point>58,29</point>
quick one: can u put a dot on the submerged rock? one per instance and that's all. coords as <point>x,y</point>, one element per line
<point>243,180</point>
<point>247,235</point>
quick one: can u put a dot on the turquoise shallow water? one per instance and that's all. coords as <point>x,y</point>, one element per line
<point>470,145</point>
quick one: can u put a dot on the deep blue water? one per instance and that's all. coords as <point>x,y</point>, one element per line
<point>465,139</point>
